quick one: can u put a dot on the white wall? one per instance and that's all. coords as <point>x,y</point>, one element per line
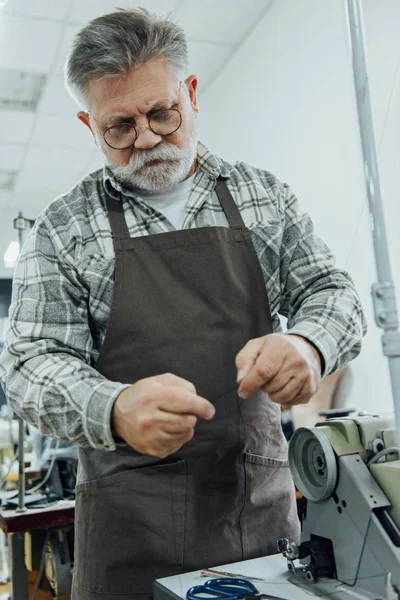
<point>286,102</point>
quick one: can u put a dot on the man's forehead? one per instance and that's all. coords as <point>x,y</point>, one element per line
<point>136,92</point>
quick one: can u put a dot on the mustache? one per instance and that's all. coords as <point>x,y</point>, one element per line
<point>165,151</point>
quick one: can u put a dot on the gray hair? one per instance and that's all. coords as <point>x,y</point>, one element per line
<point>115,44</point>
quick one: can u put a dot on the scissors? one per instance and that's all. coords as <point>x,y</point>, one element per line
<point>227,588</point>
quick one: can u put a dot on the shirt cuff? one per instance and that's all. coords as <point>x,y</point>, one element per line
<point>98,416</point>
<point>320,338</point>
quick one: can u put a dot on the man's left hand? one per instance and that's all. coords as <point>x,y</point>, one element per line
<point>287,367</point>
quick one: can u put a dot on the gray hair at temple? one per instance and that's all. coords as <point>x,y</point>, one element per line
<point>116,43</point>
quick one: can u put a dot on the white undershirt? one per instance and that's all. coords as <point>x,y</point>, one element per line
<point>171,203</point>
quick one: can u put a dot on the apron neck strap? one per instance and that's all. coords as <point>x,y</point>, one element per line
<point>229,205</point>
<point>120,230</point>
<point>116,217</point>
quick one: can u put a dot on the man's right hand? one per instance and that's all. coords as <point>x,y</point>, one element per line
<point>157,415</point>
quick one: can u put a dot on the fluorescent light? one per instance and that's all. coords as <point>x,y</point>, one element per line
<point>11,255</point>
<point>20,90</point>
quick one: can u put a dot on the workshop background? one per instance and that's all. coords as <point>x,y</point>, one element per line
<point>276,90</point>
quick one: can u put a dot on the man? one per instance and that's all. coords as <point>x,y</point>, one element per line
<point>145,328</point>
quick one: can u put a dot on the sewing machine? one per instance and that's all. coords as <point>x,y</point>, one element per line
<point>348,471</point>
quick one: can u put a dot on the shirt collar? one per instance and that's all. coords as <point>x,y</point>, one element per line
<point>211,164</point>
<point>207,162</point>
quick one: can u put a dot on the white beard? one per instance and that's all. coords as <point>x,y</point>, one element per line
<point>175,167</point>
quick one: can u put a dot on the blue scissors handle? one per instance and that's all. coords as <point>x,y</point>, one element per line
<point>225,588</point>
<point>228,588</point>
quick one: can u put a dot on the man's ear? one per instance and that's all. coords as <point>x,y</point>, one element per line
<point>191,83</point>
<point>84,117</point>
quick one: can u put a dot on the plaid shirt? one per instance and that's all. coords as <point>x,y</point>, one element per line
<point>63,287</point>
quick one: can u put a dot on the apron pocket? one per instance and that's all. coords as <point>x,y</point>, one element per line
<point>270,505</point>
<point>129,529</point>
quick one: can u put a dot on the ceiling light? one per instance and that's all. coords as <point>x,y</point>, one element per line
<point>11,255</point>
<point>20,90</point>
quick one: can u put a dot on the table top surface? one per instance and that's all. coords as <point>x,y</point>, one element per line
<point>59,514</point>
<point>275,581</point>
<point>272,569</point>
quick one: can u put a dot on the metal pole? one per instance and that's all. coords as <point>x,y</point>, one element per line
<point>21,440</point>
<point>383,292</point>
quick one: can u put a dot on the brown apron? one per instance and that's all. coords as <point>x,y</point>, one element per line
<point>185,302</point>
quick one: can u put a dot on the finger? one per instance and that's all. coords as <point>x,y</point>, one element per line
<point>181,438</point>
<point>266,367</point>
<point>287,394</point>
<point>247,357</point>
<point>179,401</point>
<point>279,382</point>
<point>168,443</point>
<point>173,423</point>
<point>175,380</point>
<point>288,371</point>
<point>304,395</point>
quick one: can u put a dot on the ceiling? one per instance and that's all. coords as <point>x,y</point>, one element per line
<point>44,151</point>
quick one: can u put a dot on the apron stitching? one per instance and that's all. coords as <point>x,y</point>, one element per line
<point>242,510</point>
<point>184,522</point>
<point>241,435</point>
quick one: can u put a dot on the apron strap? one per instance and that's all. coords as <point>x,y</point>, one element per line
<point>229,205</point>
<point>116,217</point>
<point>120,230</point>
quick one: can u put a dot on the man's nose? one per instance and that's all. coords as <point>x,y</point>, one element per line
<point>147,139</point>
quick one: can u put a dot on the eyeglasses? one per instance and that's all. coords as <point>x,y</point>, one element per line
<point>161,122</point>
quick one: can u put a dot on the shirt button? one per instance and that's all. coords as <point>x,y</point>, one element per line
<point>149,210</point>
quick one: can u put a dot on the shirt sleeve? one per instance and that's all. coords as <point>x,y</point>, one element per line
<point>45,366</point>
<point>318,299</point>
